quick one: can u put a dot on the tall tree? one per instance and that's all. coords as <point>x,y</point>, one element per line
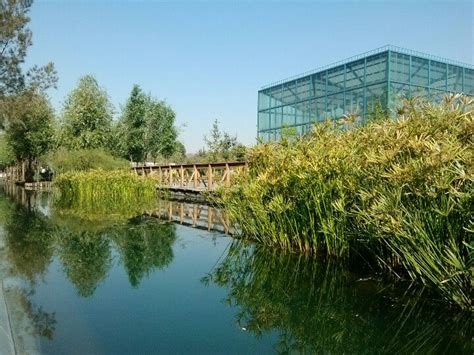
<point>87,116</point>
<point>30,130</point>
<point>15,38</point>
<point>222,146</point>
<point>213,141</point>
<point>133,125</point>
<point>161,132</point>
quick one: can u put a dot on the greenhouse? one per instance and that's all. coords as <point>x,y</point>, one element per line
<point>360,85</point>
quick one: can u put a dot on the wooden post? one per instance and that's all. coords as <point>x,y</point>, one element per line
<point>195,176</point>
<point>209,177</point>
<point>181,170</point>
<point>169,176</point>
<point>227,175</point>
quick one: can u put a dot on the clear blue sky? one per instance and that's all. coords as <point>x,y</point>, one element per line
<point>208,59</point>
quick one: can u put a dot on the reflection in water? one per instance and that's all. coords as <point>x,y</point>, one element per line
<point>312,306</point>
<point>144,246</point>
<point>29,240</point>
<point>321,307</point>
<point>84,248</point>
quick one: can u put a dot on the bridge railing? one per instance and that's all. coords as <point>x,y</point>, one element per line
<point>192,177</point>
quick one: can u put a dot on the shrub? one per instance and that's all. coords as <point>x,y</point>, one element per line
<point>64,160</point>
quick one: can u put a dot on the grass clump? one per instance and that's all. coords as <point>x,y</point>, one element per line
<point>397,192</point>
<point>99,192</point>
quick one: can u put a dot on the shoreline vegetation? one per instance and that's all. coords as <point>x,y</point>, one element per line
<point>397,194</point>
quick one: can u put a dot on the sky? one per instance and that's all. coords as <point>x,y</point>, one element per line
<point>208,59</point>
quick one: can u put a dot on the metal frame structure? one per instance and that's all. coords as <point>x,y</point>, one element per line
<point>361,84</point>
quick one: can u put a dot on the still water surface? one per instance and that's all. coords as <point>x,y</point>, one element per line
<point>134,285</point>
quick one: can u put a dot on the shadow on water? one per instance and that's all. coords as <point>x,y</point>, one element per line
<point>322,307</point>
<point>312,306</point>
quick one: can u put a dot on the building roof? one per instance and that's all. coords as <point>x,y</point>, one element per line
<point>367,54</point>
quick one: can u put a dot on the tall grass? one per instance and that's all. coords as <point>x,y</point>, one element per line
<point>99,192</point>
<point>397,192</point>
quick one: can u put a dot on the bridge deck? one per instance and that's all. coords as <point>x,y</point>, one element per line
<point>192,178</point>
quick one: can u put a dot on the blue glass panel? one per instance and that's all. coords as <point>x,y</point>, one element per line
<point>335,80</point>
<point>376,70</point>
<point>399,67</point>
<point>469,81</point>
<point>454,78</point>
<point>355,74</point>
<point>438,75</point>
<point>419,71</point>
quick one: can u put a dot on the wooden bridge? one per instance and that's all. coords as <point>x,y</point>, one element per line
<point>192,178</point>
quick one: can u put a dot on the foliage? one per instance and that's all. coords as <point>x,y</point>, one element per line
<point>63,160</point>
<point>161,133</point>
<point>15,38</point>
<point>398,193</point>
<point>105,192</point>
<point>221,146</point>
<point>29,132</point>
<point>146,129</point>
<point>7,157</point>
<point>133,125</point>
<point>87,116</point>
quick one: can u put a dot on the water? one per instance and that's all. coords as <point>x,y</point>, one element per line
<point>122,285</point>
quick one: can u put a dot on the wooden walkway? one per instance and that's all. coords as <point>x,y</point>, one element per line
<point>192,178</point>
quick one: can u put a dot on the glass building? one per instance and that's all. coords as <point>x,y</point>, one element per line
<point>362,84</point>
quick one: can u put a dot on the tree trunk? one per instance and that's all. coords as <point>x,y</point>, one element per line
<point>29,174</point>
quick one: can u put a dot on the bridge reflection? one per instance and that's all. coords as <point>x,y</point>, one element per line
<point>194,215</point>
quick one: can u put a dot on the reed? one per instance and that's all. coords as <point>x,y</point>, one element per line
<point>99,192</point>
<point>397,192</point>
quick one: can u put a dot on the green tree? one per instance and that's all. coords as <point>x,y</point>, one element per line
<point>29,132</point>
<point>6,153</point>
<point>15,38</point>
<point>222,146</point>
<point>213,142</point>
<point>133,125</point>
<point>161,132</point>
<point>87,116</point>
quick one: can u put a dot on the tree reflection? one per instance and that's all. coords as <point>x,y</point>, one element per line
<point>321,307</point>
<point>29,242</point>
<point>86,259</point>
<point>145,244</point>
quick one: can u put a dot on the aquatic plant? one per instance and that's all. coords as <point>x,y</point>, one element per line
<point>99,192</point>
<point>397,193</point>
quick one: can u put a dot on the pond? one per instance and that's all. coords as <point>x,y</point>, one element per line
<point>151,283</point>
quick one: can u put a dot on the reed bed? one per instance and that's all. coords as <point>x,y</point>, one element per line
<point>397,193</point>
<point>100,192</point>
